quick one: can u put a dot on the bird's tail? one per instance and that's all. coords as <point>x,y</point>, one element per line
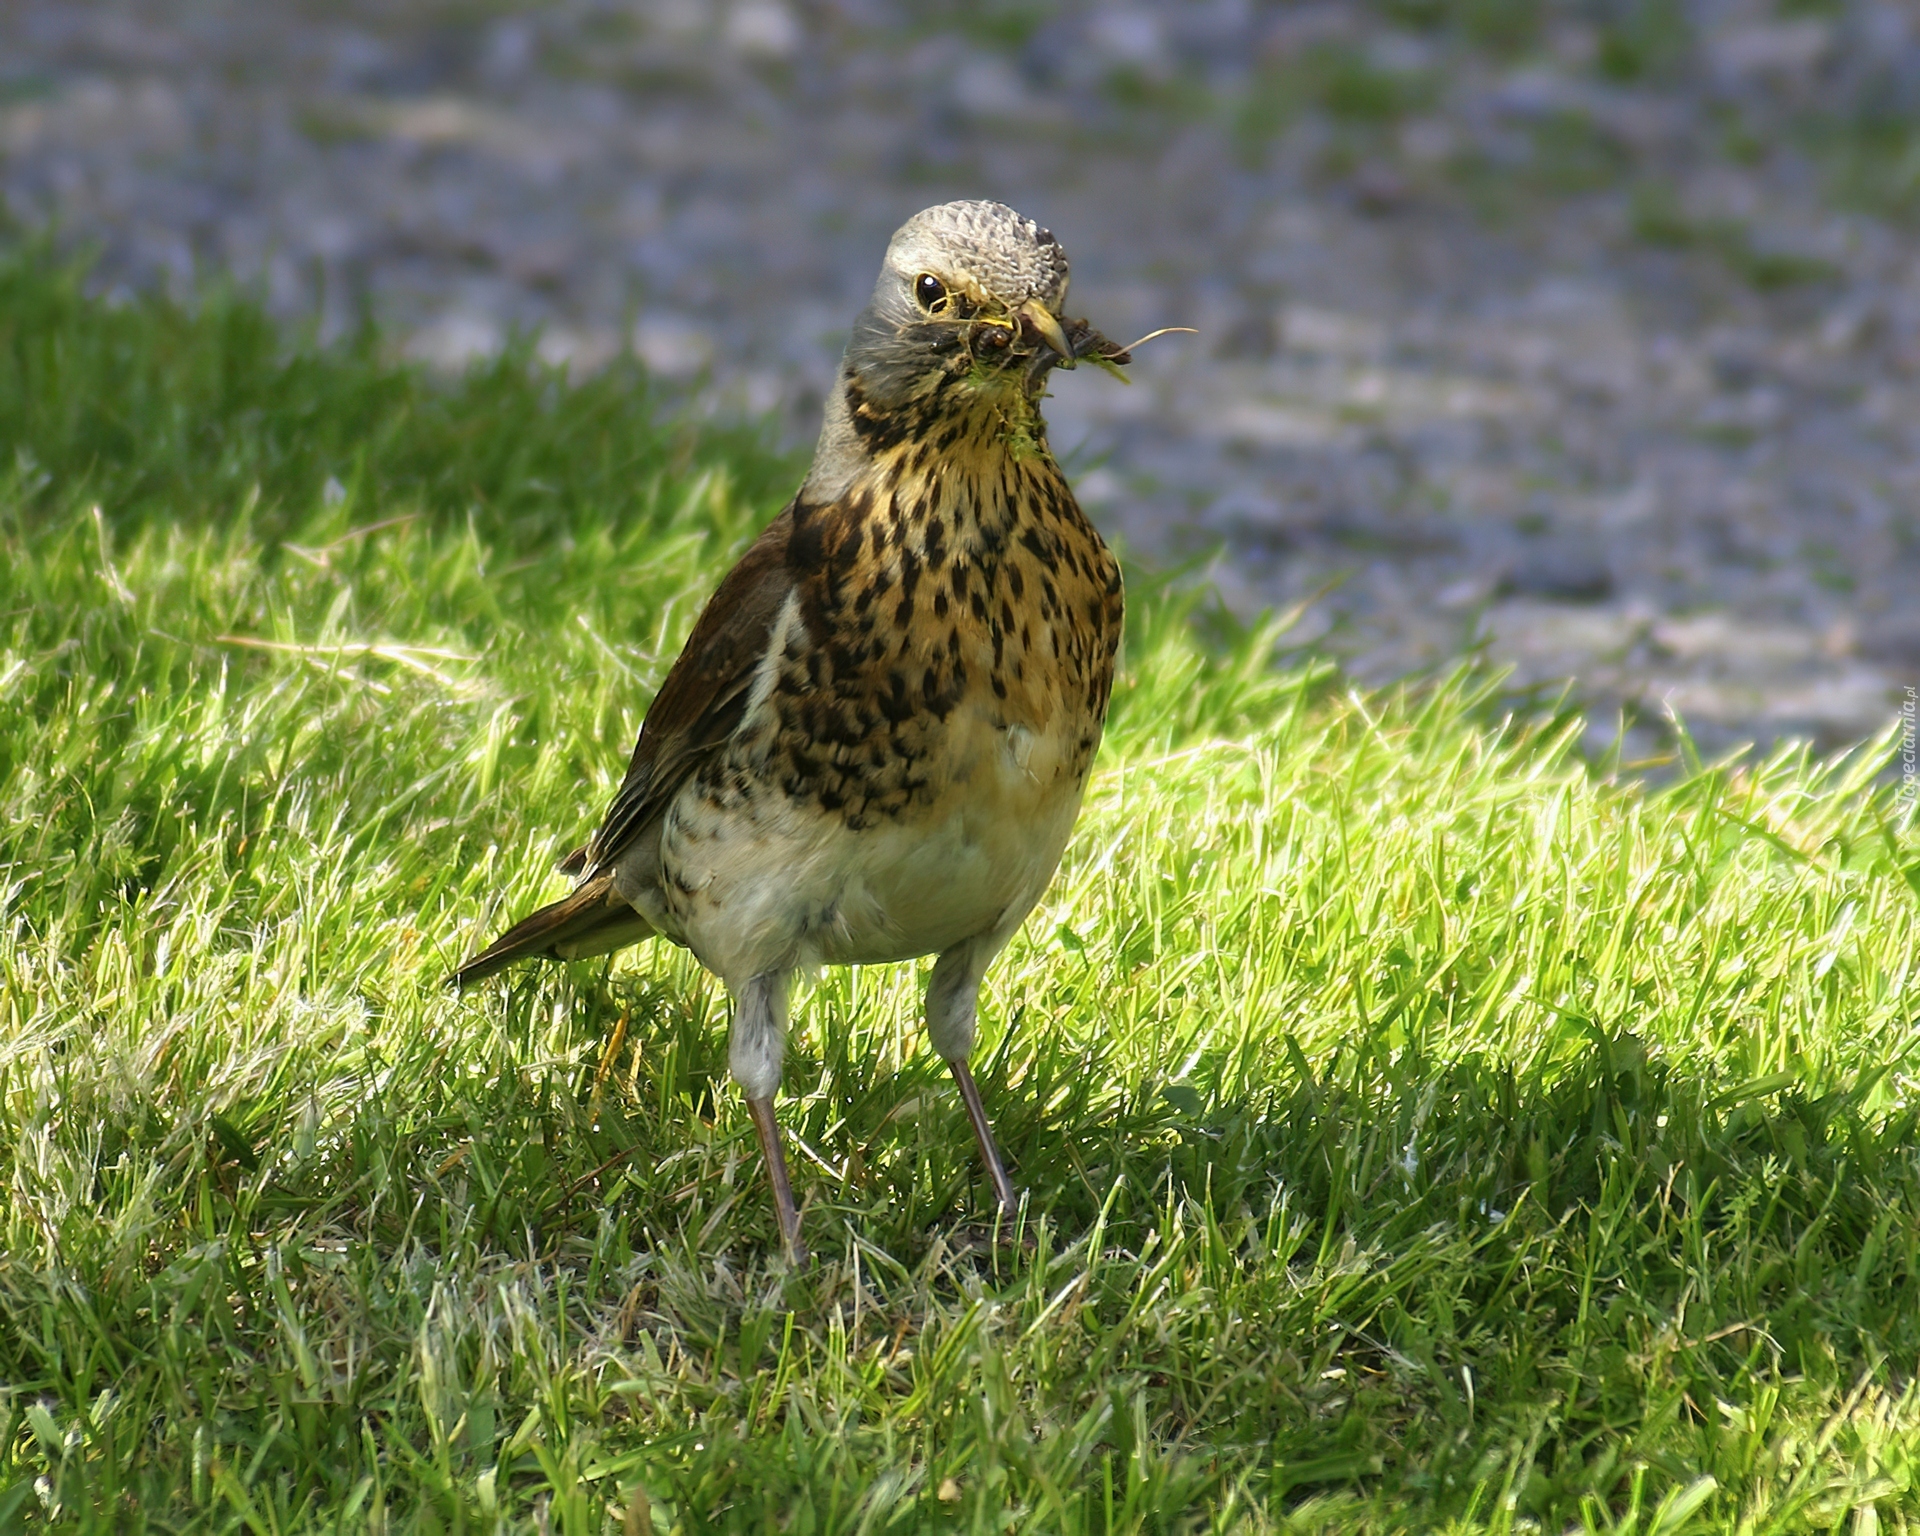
<point>594,920</point>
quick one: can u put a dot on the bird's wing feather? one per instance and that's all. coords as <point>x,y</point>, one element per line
<point>594,919</point>
<point>705,695</point>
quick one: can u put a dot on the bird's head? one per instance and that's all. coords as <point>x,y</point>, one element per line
<point>964,326</point>
<point>968,305</point>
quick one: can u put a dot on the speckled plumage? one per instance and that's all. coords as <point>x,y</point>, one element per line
<point>875,742</point>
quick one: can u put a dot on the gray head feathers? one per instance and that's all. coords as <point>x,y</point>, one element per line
<point>956,300</point>
<point>987,247</point>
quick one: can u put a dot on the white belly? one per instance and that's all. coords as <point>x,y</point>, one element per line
<point>792,886</point>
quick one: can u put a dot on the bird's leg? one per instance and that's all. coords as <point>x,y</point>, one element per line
<point>783,1206</point>
<point>983,1133</point>
<point>953,994</point>
<point>754,1049</point>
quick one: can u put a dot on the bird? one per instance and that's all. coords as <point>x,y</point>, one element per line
<point>875,743</point>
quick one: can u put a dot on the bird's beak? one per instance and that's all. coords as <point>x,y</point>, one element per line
<point>1046,325</point>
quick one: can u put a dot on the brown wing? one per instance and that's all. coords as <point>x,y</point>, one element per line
<point>595,919</point>
<point>705,695</point>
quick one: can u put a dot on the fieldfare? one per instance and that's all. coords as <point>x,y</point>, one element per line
<point>875,742</point>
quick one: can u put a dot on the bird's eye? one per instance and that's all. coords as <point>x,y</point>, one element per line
<point>931,292</point>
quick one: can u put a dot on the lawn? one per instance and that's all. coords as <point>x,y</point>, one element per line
<point>1423,1127</point>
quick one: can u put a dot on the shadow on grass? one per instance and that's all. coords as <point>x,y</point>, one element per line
<point>181,413</point>
<point>1390,1273</point>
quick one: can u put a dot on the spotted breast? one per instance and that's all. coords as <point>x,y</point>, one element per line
<point>920,725</point>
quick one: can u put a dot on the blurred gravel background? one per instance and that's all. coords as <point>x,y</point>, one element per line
<point>1586,333</point>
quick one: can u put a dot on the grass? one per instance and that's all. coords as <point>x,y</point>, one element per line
<point>1358,96</point>
<point>1503,27</point>
<point>1422,1130</point>
<point>1871,158</point>
<point>1656,218</point>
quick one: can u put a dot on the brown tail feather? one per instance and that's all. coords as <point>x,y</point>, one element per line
<point>594,920</point>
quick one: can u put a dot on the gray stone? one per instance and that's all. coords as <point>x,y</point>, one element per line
<point>1441,397</point>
